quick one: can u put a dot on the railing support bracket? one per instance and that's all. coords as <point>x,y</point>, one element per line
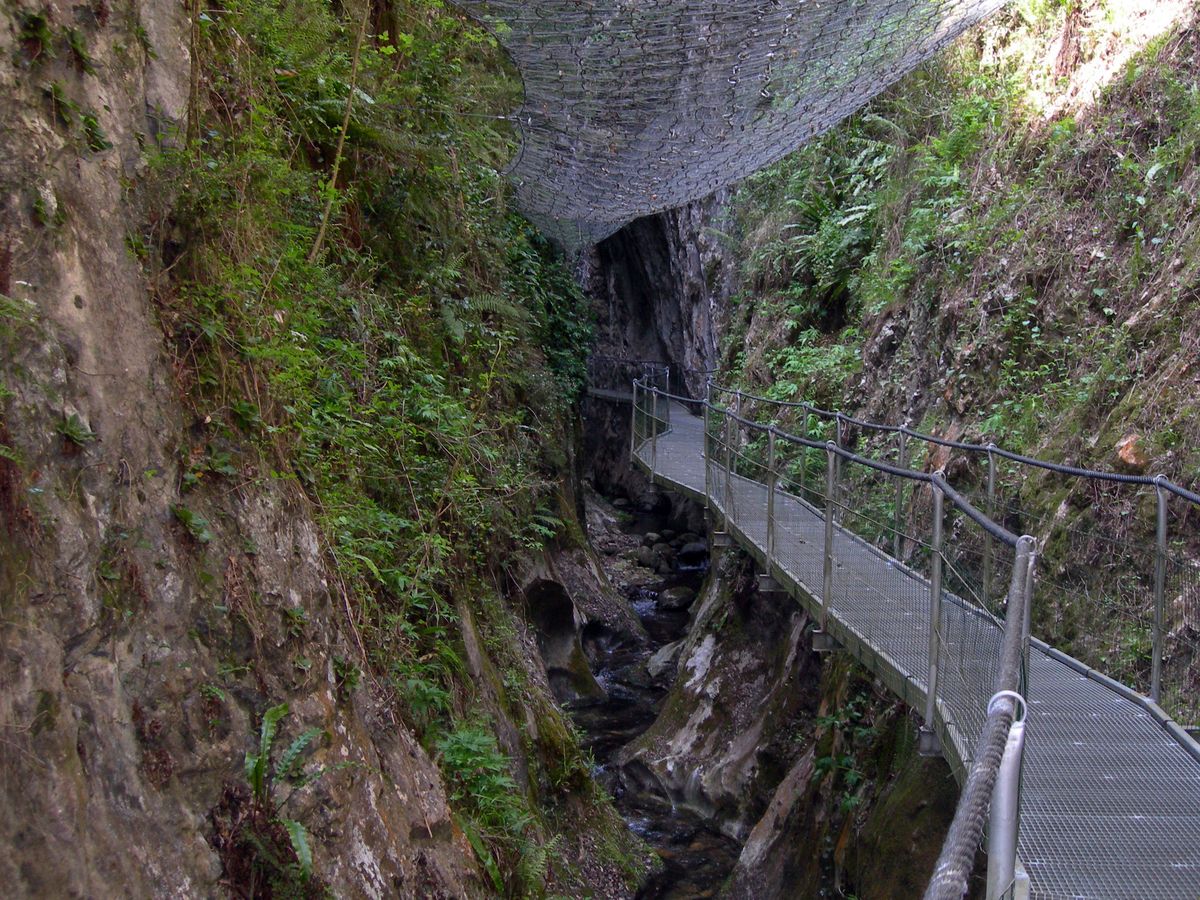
<point>928,742</point>
<point>823,642</point>
<point>768,585</point>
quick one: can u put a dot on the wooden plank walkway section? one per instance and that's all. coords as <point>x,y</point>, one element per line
<point>1110,801</point>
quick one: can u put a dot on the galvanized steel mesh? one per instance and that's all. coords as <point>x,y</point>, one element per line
<point>637,106</point>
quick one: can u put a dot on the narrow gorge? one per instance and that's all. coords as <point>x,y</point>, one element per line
<point>329,566</point>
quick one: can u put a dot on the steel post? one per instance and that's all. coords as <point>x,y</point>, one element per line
<point>1160,588</point>
<point>935,607</point>
<point>707,457</point>
<point>804,463</point>
<point>633,424</point>
<point>898,513</point>
<point>988,548</point>
<point>653,433</point>
<point>727,493</point>
<point>1004,817</point>
<point>1027,630</point>
<point>837,436</point>
<point>831,459</point>
<point>771,479</point>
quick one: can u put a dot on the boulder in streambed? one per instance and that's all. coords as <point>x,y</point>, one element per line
<point>665,660</point>
<point>676,598</point>
<point>647,557</point>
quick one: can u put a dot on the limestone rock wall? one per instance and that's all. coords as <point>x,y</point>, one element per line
<point>802,757</point>
<point>745,682</point>
<point>136,655</point>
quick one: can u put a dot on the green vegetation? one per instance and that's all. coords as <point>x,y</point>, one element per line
<point>75,432</point>
<point>77,44</point>
<point>355,314</point>
<point>285,866</point>
<point>956,258</point>
<point>34,36</point>
<point>93,134</point>
<point>196,525</point>
<point>495,812</point>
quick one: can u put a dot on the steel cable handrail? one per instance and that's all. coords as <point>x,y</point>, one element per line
<point>991,748</point>
<point>995,529</point>
<point>1096,474</point>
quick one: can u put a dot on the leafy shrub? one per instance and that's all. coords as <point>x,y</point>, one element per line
<point>478,775</point>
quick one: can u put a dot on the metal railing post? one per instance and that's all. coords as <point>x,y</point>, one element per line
<point>898,513</point>
<point>1027,628</point>
<point>707,457</point>
<point>988,547</point>
<point>831,460</point>
<point>804,462</point>
<point>1160,587</point>
<point>930,743</point>
<point>1005,814</point>
<point>653,433</point>
<point>771,479</point>
<point>839,486</point>
<point>727,493</point>
<point>633,425</point>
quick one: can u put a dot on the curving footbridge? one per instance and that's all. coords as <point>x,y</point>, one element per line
<point>1077,784</point>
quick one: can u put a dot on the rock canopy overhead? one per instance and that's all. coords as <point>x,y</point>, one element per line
<point>636,106</point>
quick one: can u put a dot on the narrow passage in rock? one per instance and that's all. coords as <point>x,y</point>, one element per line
<point>659,567</point>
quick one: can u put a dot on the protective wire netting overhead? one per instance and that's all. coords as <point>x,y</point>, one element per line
<point>636,106</point>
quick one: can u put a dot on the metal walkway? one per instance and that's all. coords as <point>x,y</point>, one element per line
<point>1110,793</point>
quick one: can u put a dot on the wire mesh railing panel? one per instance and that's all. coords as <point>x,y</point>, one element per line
<point>1181,650</point>
<point>749,498</point>
<point>799,505</point>
<point>970,643</point>
<point>867,503</point>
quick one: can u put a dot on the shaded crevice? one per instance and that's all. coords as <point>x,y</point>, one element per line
<point>658,288</point>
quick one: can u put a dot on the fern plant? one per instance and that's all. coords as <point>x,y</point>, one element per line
<point>263,778</point>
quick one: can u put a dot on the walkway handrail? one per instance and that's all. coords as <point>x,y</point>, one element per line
<point>995,529</point>
<point>992,780</point>
<point>1100,475</point>
<point>988,788</point>
<point>1164,488</point>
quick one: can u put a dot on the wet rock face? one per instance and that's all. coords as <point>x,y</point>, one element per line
<point>657,286</point>
<point>746,677</point>
<point>558,635</point>
<point>805,845</point>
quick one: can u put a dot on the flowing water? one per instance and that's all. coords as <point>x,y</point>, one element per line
<point>697,857</point>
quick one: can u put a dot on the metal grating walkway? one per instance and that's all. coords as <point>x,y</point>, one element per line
<point>1110,803</point>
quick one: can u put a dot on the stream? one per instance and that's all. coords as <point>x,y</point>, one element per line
<point>697,857</point>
